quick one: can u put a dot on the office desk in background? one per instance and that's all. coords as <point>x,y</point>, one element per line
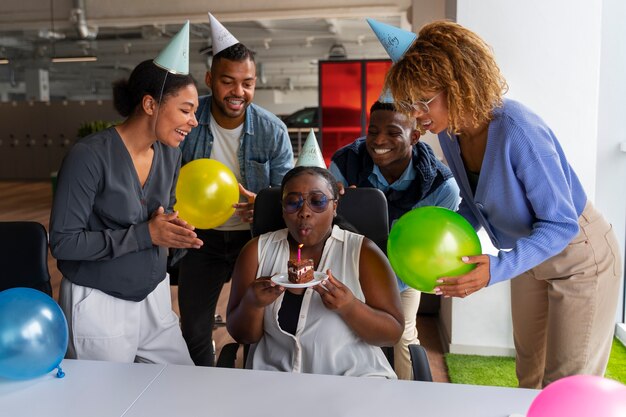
<point>94,389</point>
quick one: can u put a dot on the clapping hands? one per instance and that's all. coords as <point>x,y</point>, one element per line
<point>168,230</point>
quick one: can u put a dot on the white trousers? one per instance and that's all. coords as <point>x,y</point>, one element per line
<point>410,299</point>
<point>102,327</point>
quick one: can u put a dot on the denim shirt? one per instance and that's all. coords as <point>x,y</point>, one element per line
<point>265,152</point>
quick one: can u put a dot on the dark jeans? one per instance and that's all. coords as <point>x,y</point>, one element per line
<point>202,274</point>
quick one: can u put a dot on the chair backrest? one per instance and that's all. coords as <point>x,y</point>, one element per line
<point>24,256</point>
<point>363,208</point>
<point>419,361</point>
<point>268,213</point>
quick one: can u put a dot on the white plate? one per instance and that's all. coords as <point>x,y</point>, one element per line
<point>282,280</point>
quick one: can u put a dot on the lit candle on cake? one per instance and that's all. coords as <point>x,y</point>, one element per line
<point>300,271</point>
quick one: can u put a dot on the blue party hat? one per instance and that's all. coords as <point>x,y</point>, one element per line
<point>310,154</point>
<point>385,96</point>
<point>396,41</point>
<point>175,57</point>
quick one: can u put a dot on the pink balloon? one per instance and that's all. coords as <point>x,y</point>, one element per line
<point>580,396</point>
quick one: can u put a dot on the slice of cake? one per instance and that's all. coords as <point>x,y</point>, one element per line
<point>301,271</point>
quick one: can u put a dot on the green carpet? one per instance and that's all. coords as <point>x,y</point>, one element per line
<point>617,362</point>
<point>500,371</point>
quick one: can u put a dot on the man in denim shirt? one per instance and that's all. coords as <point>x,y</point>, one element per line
<point>255,145</point>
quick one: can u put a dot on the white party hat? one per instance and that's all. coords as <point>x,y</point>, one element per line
<point>310,154</point>
<point>220,36</point>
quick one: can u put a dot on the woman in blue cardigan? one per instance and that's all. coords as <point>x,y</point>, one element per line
<point>516,183</point>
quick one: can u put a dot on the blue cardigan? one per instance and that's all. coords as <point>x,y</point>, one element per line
<point>528,198</point>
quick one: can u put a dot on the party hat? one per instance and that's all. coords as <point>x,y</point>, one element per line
<point>220,36</point>
<point>396,41</point>
<point>310,154</point>
<point>175,57</point>
<point>385,96</point>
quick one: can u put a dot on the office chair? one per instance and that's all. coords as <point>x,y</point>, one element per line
<point>421,367</point>
<point>24,256</point>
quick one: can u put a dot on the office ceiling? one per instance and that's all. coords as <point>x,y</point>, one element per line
<point>289,37</point>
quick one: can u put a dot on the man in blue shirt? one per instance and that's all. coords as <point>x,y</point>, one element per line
<point>255,145</point>
<point>392,159</point>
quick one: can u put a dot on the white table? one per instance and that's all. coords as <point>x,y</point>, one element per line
<point>89,389</point>
<point>139,390</point>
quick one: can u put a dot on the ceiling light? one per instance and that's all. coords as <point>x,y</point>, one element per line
<point>337,51</point>
<point>83,58</point>
<point>50,35</point>
<point>4,61</point>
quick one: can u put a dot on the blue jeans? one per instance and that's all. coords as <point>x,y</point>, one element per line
<point>202,274</point>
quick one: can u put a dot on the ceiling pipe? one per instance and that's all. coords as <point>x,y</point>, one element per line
<point>78,17</point>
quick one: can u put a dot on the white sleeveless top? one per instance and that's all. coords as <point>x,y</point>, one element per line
<point>323,343</point>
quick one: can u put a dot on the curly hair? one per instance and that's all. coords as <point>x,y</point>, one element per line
<point>447,56</point>
<point>237,52</point>
<point>378,105</point>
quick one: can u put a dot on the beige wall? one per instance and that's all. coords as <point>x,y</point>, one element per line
<point>34,136</point>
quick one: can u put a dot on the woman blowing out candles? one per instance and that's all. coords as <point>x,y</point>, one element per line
<point>333,327</point>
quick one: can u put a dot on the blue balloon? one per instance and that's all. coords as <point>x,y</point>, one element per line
<point>33,333</point>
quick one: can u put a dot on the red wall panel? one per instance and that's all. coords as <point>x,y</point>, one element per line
<point>347,89</point>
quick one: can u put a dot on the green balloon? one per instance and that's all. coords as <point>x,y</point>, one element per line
<point>427,243</point>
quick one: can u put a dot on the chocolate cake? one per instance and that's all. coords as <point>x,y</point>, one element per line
<point>301,271</point>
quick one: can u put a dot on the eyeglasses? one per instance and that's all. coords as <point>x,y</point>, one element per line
<point>316,200</point>
<point>419,107</point>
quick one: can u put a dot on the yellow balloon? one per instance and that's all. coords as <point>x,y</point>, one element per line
<point>205,193</point>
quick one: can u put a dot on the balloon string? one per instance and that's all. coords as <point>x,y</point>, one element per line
<point>60,373</point>
<point>156,116</point>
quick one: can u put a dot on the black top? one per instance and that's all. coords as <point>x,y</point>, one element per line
<point>290,312</point>
<point>472,178</point>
